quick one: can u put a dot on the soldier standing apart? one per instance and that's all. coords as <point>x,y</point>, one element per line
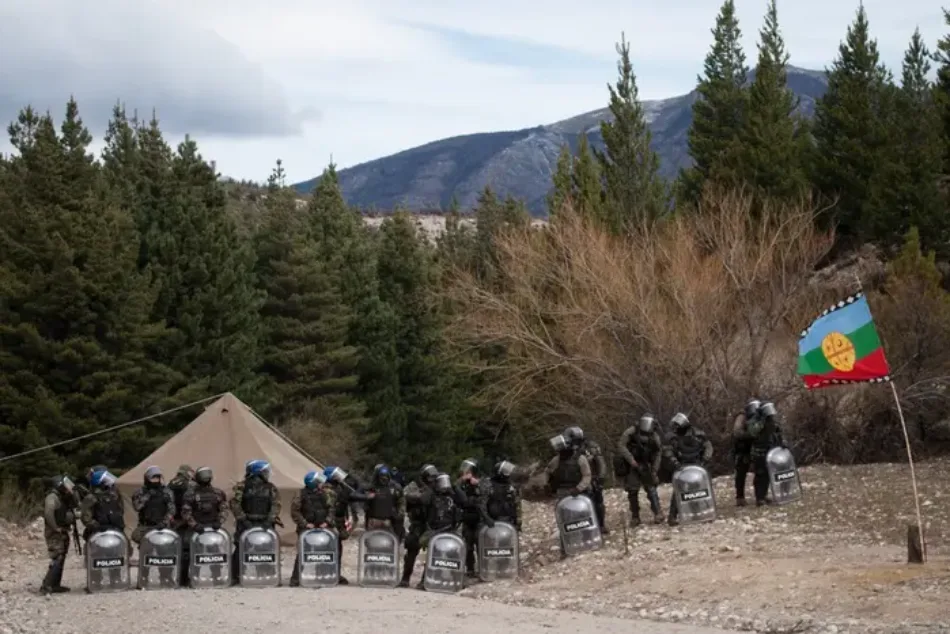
<point>314,506</point>
<point>686,445</point>
<point>58,518</point>
<point>470,490</point>
<point>443,513</point>
<point>640,451</point>
<point>386,507</point>
<point>742,434</point>
<point>416,511</point>
<point>255,502</point>
<point>503,500</point>
<point>204,508</point>
<point>598,471</point>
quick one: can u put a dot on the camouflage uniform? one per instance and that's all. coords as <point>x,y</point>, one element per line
<point>474,515</point>
<point>203,506</point>
<point>640,456</point>
<point>598,468</point>
<point>58,518</point>
<point>180,485</point>
<point>753,438</point>
<point>316,508</point>
<point>156,509</point>
<point>689,448</point>
<point>249,511</point>
<point>416,510</point>
<point>104,509</point>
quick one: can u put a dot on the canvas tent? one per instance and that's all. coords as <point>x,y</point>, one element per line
<point>224,437</point>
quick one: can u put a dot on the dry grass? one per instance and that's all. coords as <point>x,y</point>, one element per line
<point>689,315</point>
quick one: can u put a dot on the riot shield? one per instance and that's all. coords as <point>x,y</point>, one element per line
<point>317,553</point>
<point>498,552</point>
<point>107,563</point>
<point>159,560</point>
<point>784,482</point>
<point>694,495</point>
<point>259,551</point>
<point>445,563</point>
<point>210,565</point>
<point>378,565</point>
<point>577,524</point>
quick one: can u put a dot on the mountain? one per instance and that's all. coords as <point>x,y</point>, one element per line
<point>520,162</point>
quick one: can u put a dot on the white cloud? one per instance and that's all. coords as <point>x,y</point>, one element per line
<point>382,86</point>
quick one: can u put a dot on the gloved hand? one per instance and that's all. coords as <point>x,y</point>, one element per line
<point>575,492</point>
<point>490,523</point>
<point>216,526</point>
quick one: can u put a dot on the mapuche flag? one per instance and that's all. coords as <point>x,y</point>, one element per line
<point>842,346</point>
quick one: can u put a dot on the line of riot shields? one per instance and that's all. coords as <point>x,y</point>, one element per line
<point>693,493</point>
<point>209,562</point>
<point>378,564</point>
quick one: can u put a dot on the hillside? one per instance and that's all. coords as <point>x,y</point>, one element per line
<point>520,162</point>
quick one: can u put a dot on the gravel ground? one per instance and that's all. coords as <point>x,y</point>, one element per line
<point>833,563</point>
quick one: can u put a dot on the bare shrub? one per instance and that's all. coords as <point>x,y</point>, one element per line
<point>694,314</point>
<point>17,505</point>
<point>315,431</point>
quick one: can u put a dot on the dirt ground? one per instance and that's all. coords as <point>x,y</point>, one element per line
<point>834,562</point>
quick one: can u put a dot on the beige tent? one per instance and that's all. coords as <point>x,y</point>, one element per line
<point>224,437</point>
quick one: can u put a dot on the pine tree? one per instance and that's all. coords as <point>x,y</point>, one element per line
<point>855,134</point>
<point>942,95</point>
<point>425,417</point>
<point>588,183</point>
<point>563,188</point>
<point>305,354</point>
<point>771,151</point>
<point>719,111</point>
<point>213,299</point>
<point>913,192</point>
<point>74,313</point>
<point>634,191</point>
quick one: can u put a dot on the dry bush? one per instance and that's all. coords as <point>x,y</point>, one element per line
<point>316,433</point>
<point>17,505</point>
<point>695,314</point>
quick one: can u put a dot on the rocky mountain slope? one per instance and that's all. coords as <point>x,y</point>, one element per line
<point>520,162</point>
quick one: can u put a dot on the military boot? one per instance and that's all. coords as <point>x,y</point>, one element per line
<point>740,501</point>
<point>635,521</point>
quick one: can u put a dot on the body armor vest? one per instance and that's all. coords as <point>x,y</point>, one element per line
<point>568,473</point>
<point>313,507</point>
<point>383,505</point>
<point>155,509</point>
<point>470,514</point>
<point>178,490</point>
<point>108,512</point>
<point>415,509</point>
<point>255,500</point>
<point>442,512</point>
<point>689,448</point>
<point>205,507</point>
<point>502,505</point>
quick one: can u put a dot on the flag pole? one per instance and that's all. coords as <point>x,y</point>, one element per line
<point>913,475</point>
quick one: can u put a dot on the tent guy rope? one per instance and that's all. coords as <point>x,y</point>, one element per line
<point>110,429</point>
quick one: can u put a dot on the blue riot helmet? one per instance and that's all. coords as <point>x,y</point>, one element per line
<point>382,474</point>
<point>102,479</point>
<point>259,468</point>
<point>335,474</point>
<point>313,479</point>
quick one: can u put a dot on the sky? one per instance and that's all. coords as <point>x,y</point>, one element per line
<point>307,81</point>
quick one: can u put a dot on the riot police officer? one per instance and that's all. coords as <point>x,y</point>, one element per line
<point>598,470</point>
<point>204,507</point>
<point>639,454</point>
<point>386,505</point>
<point>314,506</point>
<point>255,502</point>
<point>416,510</point>
<point>503,501</point>
<point>346,495</point>
<point>686,445</point>
<point>154,503</point>
<point>471,490</point>
<point>568,472</point>
<point>742,428</point>
<point>443,513</point>
<point>103,509</point>
<point>58,518</point>
<point>765,434</point>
